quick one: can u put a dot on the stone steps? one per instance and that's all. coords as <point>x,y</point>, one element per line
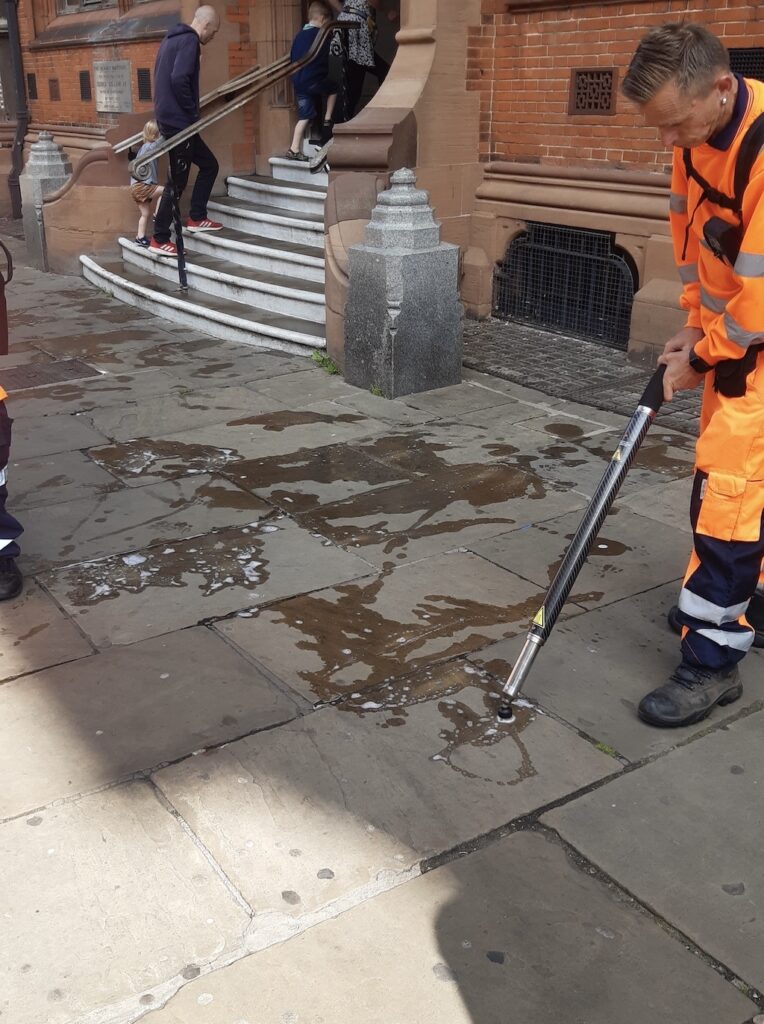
<point>259,280</point>
<point>218,317</point>
<point>227,279</point>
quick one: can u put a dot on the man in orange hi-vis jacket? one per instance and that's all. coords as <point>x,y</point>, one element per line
<point>10,529</point>
<point>680,79</point>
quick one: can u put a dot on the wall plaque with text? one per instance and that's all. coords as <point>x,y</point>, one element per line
<point>112,85</point>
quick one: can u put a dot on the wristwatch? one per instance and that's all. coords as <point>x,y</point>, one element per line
<point>697,364</point>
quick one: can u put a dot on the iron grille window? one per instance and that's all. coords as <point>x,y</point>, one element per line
<point>32,85</point>
<point>748,61</point>
<point>144,84</point>
<point>567,280</point>
<point>54,90</point>
<point>592,91</point>
<point>85,91</point>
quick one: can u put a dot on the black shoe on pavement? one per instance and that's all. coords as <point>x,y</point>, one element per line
<point>690,695</point>
<point>11,580</point>
<point>755,616</point>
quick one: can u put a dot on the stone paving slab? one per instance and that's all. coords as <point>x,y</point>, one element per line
<point>667,503</point>
<point>348,800</point>
<point>56,479</point>
<point>84,725</point>
<point>139,900</point>
<point>354,636</point>
<point>544,414</point>
<point>424,451</point>
<point>311,386</point>
<point>301,480</point>
<point>514,932</point>
<point>576,464</point>
<point>146,460</point>
<point>287,430</point>
<point>129,519</point>
<point>173,413</point>
<point>452,401</point>
<point>126,598</point>
<point>595,668</point>
<point>454,507</point>
<point>22,353</point>
<point>34,633</point>
<point>84,396</point>
<point>696,817</point>
<point>49,435</point>
<point>628,556</point>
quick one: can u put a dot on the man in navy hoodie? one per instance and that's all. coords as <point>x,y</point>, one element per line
<point>176,106</point>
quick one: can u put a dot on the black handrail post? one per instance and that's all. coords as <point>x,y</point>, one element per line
<point>173,172</point>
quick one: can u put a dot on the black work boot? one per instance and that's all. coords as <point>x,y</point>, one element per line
<point>11,580</point>
<point>690,695</point>
<point>755,616</point>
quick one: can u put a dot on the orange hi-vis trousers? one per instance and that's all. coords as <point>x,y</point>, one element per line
<point>727,514</point>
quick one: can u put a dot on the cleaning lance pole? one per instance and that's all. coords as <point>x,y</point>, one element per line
<point>581,545</point>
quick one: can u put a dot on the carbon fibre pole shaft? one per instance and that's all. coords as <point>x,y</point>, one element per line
<point>579,548</point>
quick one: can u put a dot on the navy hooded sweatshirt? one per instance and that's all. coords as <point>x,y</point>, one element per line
<point>176,79</point>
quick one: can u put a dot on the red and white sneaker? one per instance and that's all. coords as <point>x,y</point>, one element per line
<point>203,225</point>
<point>167,249</point>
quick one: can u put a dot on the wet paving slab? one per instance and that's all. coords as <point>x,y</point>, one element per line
<point>700,865</point>
<point>562,454</point>
<point>514,932</point>
<point>84,396</point>
<point>465,398</point>
<point>357,635</point>
<point>23,353</point>
<point>35,633</point>
<point>304,479</point>
<point>134,518</point>
<point>37,436</point>
<point>347,801</point>
<point>263,434</point>
<point>77,727</point>
<point>141,902</point>
<point>179,411</point>
<point>57,479</point>
<point>595,668</point>
<point>145,460</point>
<point>155,590</point>
<point>626,558</point>
<point>454,507</point>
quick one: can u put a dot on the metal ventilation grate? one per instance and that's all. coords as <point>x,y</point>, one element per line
<point>54,90</point>
<point>592,91</point>
<point>32,85</point>
<point>567,280</point>
<point>86,93</point>
<point>748,61</point>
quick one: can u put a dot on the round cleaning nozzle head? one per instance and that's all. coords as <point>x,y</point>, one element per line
<point>506,713</point>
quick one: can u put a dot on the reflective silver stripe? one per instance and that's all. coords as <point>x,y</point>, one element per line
<point>688,274</point>
<point>5,543</point>
<point>3,476</point>
<point>739,334</point>
<point>738,641</point>
<point>705,244</point>
<point>677,203</point>
<point>749,264</point>
<point>707,611</point>
<point>712,302</point>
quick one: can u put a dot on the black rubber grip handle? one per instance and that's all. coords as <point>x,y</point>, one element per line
<point>652,396</point>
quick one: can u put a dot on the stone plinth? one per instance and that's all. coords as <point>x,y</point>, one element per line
<point>47,169</point>
<point>404,321</point>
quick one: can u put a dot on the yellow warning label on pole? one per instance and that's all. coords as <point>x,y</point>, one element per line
<point>616,455</point>
<point>539,620</point>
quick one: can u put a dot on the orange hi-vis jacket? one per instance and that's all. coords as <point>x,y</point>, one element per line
<point>3,395</point>
<point>726,303</point>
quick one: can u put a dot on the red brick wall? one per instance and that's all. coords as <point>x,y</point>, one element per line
<point>521,64</point>
<point>242,55</point>
<point>65,63</point>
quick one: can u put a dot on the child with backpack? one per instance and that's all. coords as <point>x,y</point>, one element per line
<point>144,192</point>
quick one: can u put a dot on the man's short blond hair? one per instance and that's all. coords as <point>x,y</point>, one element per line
<point>684,53</point>
<point>319,9</point>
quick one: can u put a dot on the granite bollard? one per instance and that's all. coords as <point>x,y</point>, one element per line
<point>46,170</point>
<point>403,326</point>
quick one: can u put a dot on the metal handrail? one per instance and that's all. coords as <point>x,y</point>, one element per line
<point>251,83</point>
